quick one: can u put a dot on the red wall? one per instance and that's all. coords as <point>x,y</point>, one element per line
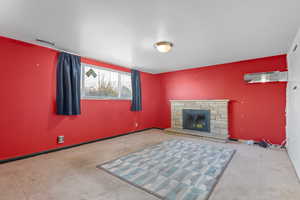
<point>256,111</point>
<point>28,122</point>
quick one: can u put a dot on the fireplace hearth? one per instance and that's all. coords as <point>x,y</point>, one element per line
<point>194,119</point>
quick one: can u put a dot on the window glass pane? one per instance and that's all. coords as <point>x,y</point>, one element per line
<point>102,83</point>
<point>125,86</point>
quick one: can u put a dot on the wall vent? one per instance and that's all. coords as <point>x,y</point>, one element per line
<point>60,139</point>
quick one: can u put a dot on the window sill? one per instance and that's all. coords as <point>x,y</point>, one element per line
<point>104,99</point>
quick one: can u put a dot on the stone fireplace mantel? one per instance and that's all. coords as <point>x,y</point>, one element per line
<point>218,116</point>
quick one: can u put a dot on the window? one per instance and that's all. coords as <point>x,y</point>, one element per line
<point>103,83</point>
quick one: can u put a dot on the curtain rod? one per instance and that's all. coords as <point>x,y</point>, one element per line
<point>52,45</point>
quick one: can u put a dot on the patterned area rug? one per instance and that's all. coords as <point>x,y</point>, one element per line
<point>174,169</point>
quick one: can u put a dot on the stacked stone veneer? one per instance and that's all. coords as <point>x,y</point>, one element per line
<point>218,114</point>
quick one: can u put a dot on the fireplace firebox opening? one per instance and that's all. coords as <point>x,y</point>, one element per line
<point>194,119</point>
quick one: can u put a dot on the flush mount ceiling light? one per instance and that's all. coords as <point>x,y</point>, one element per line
<point>163,46</point>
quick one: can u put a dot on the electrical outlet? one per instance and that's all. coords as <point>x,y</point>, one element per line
<point>60,139</point>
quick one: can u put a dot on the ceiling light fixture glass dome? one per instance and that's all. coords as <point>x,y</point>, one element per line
<point>163,46</point>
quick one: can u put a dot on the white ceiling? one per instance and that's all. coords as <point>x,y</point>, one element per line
<point>122,32</point>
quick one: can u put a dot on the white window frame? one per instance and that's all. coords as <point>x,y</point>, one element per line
<point>85,97</point>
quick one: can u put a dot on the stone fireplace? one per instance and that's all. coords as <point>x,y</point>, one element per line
<point>200,117</point>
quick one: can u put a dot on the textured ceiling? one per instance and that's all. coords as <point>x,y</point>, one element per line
<point>204,32</point>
